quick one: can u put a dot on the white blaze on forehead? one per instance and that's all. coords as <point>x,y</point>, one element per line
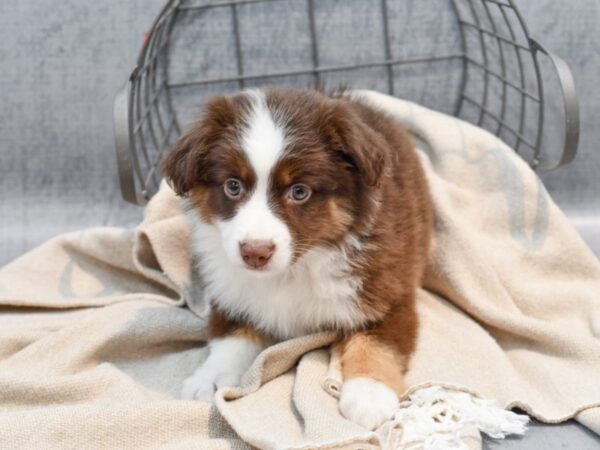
<point>263,141</point>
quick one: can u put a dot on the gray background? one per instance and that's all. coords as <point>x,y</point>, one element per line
<point>62,62</point>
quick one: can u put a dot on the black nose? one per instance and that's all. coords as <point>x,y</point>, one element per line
<point>256,254</point>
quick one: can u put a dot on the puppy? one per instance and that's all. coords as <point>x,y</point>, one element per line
<point>310,212</point>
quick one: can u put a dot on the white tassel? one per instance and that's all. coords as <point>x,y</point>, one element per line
<point>434,419</point>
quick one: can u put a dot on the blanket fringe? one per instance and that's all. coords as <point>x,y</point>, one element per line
<point>435,418</point>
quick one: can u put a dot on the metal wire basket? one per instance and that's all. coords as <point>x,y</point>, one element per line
<point>471,58</point>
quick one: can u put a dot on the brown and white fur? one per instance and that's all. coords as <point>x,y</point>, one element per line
<point>310,212</point>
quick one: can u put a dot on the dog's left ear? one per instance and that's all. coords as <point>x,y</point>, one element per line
<point>359,145</point>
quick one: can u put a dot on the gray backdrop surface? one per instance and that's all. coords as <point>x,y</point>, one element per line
<point>61,64</point>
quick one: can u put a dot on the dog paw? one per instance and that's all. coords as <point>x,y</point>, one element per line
<point>367,402</point>
<point>228,360</point>
<point>203,384</point>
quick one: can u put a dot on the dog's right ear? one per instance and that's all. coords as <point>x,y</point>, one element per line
<point>182,163</point>
<point>184,166</point>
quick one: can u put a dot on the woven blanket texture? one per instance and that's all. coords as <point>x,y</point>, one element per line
<point>96,338</point>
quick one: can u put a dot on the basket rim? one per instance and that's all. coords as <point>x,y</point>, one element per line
<point>124,113</point>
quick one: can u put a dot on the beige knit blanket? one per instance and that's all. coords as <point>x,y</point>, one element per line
<point>95,341</point>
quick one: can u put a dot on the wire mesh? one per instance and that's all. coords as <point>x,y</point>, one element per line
<point>482,67</point>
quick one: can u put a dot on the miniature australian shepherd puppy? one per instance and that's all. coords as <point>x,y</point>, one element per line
<point>310,212</point>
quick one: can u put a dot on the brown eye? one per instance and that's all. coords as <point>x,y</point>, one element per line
<point>233,188</point>
<point>299,193</point>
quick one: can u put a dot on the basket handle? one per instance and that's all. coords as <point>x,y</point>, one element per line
<point>571,107</point>
<point>126,160</point>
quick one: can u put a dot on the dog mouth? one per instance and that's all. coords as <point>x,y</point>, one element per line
<point>262,272</point>
<point>257,269</point>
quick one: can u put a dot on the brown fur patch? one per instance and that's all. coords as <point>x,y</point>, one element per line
<point>341,218</point>
<point>209,154</point>
<point>200,196</point>
<point>210,151</point>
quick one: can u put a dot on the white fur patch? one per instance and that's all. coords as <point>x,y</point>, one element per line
<point>263,141</point>
<point>254,221</point>
<point>317,291</point>
<point>367,402</point>
<point>227,361</point>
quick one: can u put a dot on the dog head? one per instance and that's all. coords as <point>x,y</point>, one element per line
<point>278,173</point>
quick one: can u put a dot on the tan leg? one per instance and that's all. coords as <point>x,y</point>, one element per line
<point>373,365</point>
<point>363,355</point>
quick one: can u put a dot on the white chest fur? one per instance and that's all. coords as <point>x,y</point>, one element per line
<point>317,291</point>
